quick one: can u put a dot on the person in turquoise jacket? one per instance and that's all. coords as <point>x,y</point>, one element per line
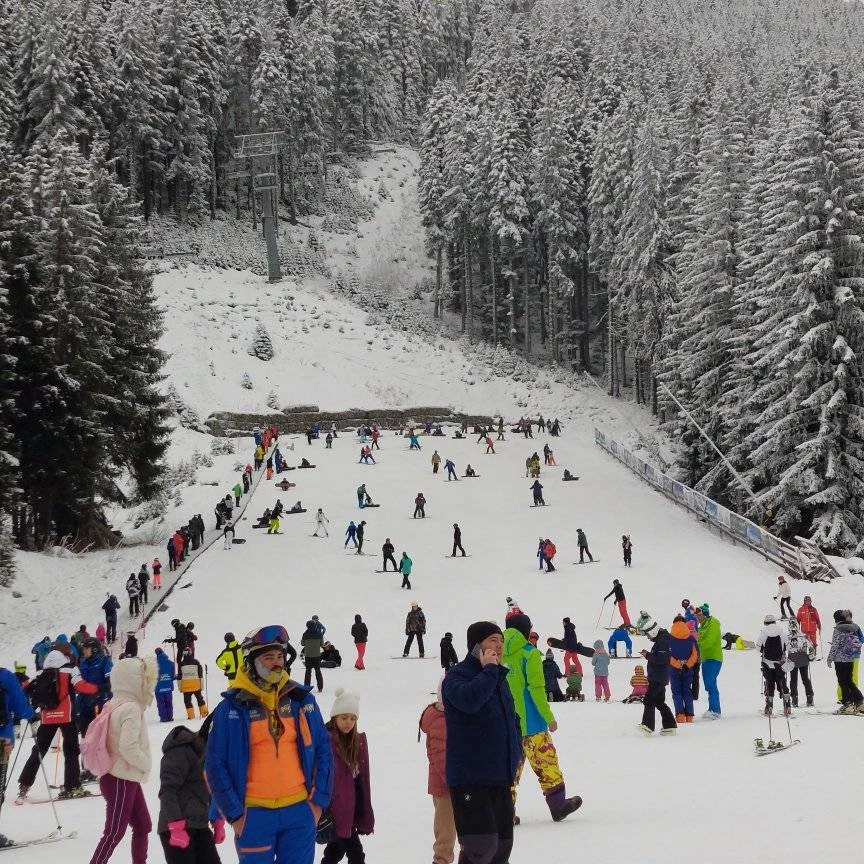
<point>710,644</point>
<point>405,565</point>
<point>527,684</point>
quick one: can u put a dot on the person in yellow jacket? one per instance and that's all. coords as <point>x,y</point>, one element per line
<point>190,676</point>
<point>230,659</point>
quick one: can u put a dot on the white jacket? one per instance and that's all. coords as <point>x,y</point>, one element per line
<point>783,590</point>
<point>132,682</point>
<point>767,632</point>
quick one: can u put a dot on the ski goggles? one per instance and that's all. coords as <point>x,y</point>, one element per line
<point>274,635</point>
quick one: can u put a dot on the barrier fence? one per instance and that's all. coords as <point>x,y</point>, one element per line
<point>737,528</point>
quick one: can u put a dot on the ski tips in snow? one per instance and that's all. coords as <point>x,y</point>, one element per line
<point>773,746</point>
<point>53,837</point>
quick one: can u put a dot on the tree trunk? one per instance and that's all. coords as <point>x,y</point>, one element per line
<point>511,310</point>
<point>469,288</point>
<point>610,349</point>
<point>494,290</point>
<point>525,283</point>
<point>623,348</point>
<point>439,264</point>
<point>463,290</point>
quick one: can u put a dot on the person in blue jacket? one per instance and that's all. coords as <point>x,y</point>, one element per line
<point>272,794</point>
<point>17,709</point>
<point>165,674</point>
<point>63,639</point>
<point>451,470</point>
<point>95,668</point>
<point>620,635</point>
<point>41,650</point>
<point>484,747</point>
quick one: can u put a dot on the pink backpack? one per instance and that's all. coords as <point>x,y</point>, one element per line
<point>95,756</point>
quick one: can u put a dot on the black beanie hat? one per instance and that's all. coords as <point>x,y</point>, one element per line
<point>520,622</point>
<point>839,617</point>
<point>481,630</point>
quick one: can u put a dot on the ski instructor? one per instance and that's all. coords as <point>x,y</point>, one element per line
<point>268,760</point>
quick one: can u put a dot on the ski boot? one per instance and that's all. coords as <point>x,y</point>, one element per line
<point>794,701</point>
<point>809,701</point>
<point>613,655</point>
<point>760,744</point>
<point>769,707</point>
<point>787,706</point>
<point>646,729</point>
<point>74,792</point>
<point>88,777</point>
<point>775,745</point>
<point>5,841</point>
<point>560,806</point>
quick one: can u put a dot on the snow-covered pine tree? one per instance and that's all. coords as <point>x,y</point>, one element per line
<point>8,67</point>
<point>261,345</point>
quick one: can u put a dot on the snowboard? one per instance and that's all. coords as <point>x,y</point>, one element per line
<point>584,650</point>
<point>764,751</point>
<point>289,513</point>
<point>239,540</point>
<point>470,476</point>
<point>367,506</point>
<point>284,485</point>
<point>413,657</point>
<point>458,556</point>
<point>595,561</point>
<point>538,505</point>
<point>568,479</point>
<point>303,467</point>
<point>394,572</point>
<point>53,837</point>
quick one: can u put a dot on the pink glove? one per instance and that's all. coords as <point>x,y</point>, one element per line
<point>179,835</point>
<point>218,826</point>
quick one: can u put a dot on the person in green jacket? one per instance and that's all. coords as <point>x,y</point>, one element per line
<point>526,682</point>
<point>710,645</point>
<point>405,565</point>
<point>238,492</point>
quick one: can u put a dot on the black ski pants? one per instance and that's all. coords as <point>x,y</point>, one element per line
<point>457,544</point>
<point>850,694</point>
<point>313,663</point>
<point>583,551</point>
<point>389,557</point>
<point>406,582</point>
<point>201,848</point>
<point>111,629</point>
<point>339,848</point>
<point>787,603</point>
<point>419,511</point>
<point>187,698</point>
<point>44,737</point>
<point>359,545</point>
<point>133,606</point>
<point>484,823</point>
<point>655,700</point>
<point>410,641</point>
<point>774,677</point>
<point>805,680</point>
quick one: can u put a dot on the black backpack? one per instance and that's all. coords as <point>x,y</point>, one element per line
<point>44,690</point>
<point>773,649</point>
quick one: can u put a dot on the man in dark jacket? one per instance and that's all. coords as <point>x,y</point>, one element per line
<point>110,607</point>
<point>457,540</point>
<point>484,746</point>
<point>387,551</point>
<point>620,600</point>
<point>448,652</point>
<point>658,678</point>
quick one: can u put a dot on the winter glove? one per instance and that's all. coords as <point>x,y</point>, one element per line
<point>179,835</point>
<point>218,826</point>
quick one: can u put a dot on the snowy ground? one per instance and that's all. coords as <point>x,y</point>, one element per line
<point>643,799</point>
<point>637,792</point>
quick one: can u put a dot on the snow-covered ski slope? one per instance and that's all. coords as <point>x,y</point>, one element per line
<point>700,795</point>
<point>644,799</point>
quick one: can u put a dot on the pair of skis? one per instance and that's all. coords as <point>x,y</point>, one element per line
<point>52,837</point>
<point>775,746</point>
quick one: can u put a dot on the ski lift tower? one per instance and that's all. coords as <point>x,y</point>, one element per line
<point>259,153</point>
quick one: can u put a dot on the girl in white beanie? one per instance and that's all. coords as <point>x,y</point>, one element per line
<point>351,804</point>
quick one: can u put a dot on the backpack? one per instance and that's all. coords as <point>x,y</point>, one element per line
<point>44,690</point>
<point>95,756</point>
<point>773,649</point>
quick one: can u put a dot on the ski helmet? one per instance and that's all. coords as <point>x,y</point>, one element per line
<point>229,637</point>
<point>271,636</point>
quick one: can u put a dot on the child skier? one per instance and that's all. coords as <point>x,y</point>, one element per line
<point>574,686</point>
<point>600,662</point>
<point>537,489</point>
<point>621,634</point>
<point>772,642</point>
<point>351,534</point>
<point>351,804</point>
<point>639,683</point>
<point>551,676</point>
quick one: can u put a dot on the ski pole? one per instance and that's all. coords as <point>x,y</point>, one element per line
<point>45,777</point>
<point>601,613</point>
<point>612,615</point>
<point>8,769</point>
<point>206,695</point>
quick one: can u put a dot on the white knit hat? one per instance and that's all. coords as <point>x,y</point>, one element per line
<point>345,703</point>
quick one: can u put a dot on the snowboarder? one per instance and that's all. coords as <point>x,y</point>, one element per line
<point>228,536</point>
<point>620,634</point>
<point>405,565</point>
<point>420,506</point>
<point>230,659</point>
<point>658,678</point>
<point>808,618</point>
<point>457,541</point>
<point>639,682</point>
<point>627,548</point>
<point>361,495</point>
<point>568,476</point>
<point>360,635</point>
<point>387,551</point>
<point>436,462</point>
<point>415,627</point>
<point>784,592</point>
<point>274,525</point>
<point>772,643</point>
<point>448,652</point>
<point>571,647</point>
<point>321,523</point>
<point>312,642</point>
<point>451,470</point>
<point>546,452</point>
<point>361,531</point>
<point>582,540</point>
<point>537,488</point>
<point>490,447</point>
<point>469,471</point>
<point>351,534</point>
<point>620,600</point>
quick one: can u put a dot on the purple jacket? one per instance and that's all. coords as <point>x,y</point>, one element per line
<point>351,811</point>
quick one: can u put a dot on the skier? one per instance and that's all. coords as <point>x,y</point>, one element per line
<point>658,678</point>
<point>620,634</point>
<point>415,626</point>
<point>387,551</point>
<point>620,600</point>
<point>645,624</point>
<point>537,489</point>
<point>844,651</point>
<point>457,541</point>
<point>451,470</point>
<point>228,536</point>
<point>360,635</point>
<point>180,639</point>
<point>157,574</point>
<point>361,530</point>
<point>190,676</point>
<point>808,618</point>
<point>321,523</point>
<point>490,447</point>
<point>784,592</point>
<point>143,582</point>
<point>351,535</point>
<point>230,658</point>
<point>682,661</point>
<point>798,653</point>
<point>551,676</point>
<point>549,551</point>
<point>582,540</point>
<point>448,652</point>
<point>436,462</point>
<point>414,443</point>
<point>110,606</point>
<point>627,547</point>
<point>166,673</point>
<point>133,589</point>
<point>772,643</point>
<point>420,506</point>
<point>405,565</point>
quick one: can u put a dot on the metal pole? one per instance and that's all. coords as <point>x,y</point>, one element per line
<point>274,273</point>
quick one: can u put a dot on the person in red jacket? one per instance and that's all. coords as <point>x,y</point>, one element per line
<point>549,551</point>
<point>432,723</point>
<point>808,618</point>
<point>179,546</point>
<point>69,682</point>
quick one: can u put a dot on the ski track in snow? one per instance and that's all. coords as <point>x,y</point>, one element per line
<point>644,799</point>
